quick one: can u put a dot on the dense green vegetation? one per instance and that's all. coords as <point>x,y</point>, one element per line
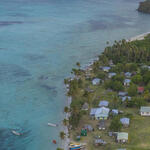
<point>144,6</point>
<point>128,52</point>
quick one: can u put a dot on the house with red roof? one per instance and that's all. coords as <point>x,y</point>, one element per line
<point>140,89</point>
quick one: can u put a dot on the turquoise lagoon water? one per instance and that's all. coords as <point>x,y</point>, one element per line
<point>40,41</point>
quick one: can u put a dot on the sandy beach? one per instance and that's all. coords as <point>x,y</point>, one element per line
<point>138,37</point>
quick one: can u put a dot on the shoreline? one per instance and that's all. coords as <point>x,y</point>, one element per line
<point>138,37</point>
<point>85,68</point>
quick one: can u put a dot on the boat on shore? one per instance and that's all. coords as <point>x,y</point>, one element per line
<point>16,133</point>
<point>52,124</point>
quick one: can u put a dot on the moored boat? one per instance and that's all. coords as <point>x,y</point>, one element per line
<point>16,133</point>
<point>52,124</point>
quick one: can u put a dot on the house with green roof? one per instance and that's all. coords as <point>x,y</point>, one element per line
<point>122,137</point>
<point>145,111</point>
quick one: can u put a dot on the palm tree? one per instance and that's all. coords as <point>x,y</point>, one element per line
<point>59,148</point>
<point>65,122</point>
<point>107,42</point>
<point>62,135</point>
<point>66,109</point>
<point>78,64</point>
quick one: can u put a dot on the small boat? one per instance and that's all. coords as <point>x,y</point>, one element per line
<point>52,125</point>
<point>54,142</point>
<point>16,133</point>
<point>74,146</point>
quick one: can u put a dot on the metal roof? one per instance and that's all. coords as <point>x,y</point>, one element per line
<point>145,109</point>
<point>122,136</point>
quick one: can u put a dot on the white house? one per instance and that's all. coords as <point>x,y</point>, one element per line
<point>127,82</point>
<point>106,68</point>
<point>122,137</point>
<point>124,98</point>
<point>111,74</point>
<point>100,113</point>
<point>145,111</point>
<point>103,103</point>
<point>115,111</point>
<point>128,74</point>
<point>121,94</point>
<point>96,81</point>
<point>125,121</point>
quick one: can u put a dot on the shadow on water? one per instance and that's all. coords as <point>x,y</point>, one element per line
<point>7,23</point>
<point>13,73</point>
<point>34,57</point>
<point>51,89</point>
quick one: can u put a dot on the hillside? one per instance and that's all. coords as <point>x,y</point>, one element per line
<point>144,7</point>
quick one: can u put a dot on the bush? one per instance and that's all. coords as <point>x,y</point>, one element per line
<point>118,78</point>
<point>146,77</point>
<point>137,79</point>
<point>115,124</point>
<point>132,90</point>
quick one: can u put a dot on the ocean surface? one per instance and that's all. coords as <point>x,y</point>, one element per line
<point>40,42</point>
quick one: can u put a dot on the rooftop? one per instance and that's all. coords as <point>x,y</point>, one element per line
<point>128,74</point>
<point>111,74</point>
<point>96,81</point>
<point>125,98</point>
<point>122,93</point>
<point>122,136</point>
<point>140,89</point>
<point>127,81</point>
<point>103,103</point>
<point>125,121</point>
<point>85,106</point>
<point>115,111</point>
<point>145,109</point>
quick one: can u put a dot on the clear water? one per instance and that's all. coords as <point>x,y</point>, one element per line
<point>40,41</point>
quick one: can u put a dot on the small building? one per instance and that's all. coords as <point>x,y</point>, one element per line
<point>124,98</point>
<point>115,111</point>
<point>102,113</point>
<point>140,89</point>
<point>99,142</point>
<point>101,125</point>
<point>92,112</point>
<point>145,111</point>
<point>128,74</point>
<point>125,121</point>
<point>106,68</point>
<point>83,132</point>
<point>85,106</point>
<point>78,138</point>
<point>121,94</point>
<point>99,113</point>
<point>88,127</point>
<point>110,133</point>
<point>111,63</point>
<point>103,103</point>
<point>148,67</point>
<point>111,74</point>
<point>127,82</point>
<point>96,81</point>
<point>122,137</point>
<point>89,90</point>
